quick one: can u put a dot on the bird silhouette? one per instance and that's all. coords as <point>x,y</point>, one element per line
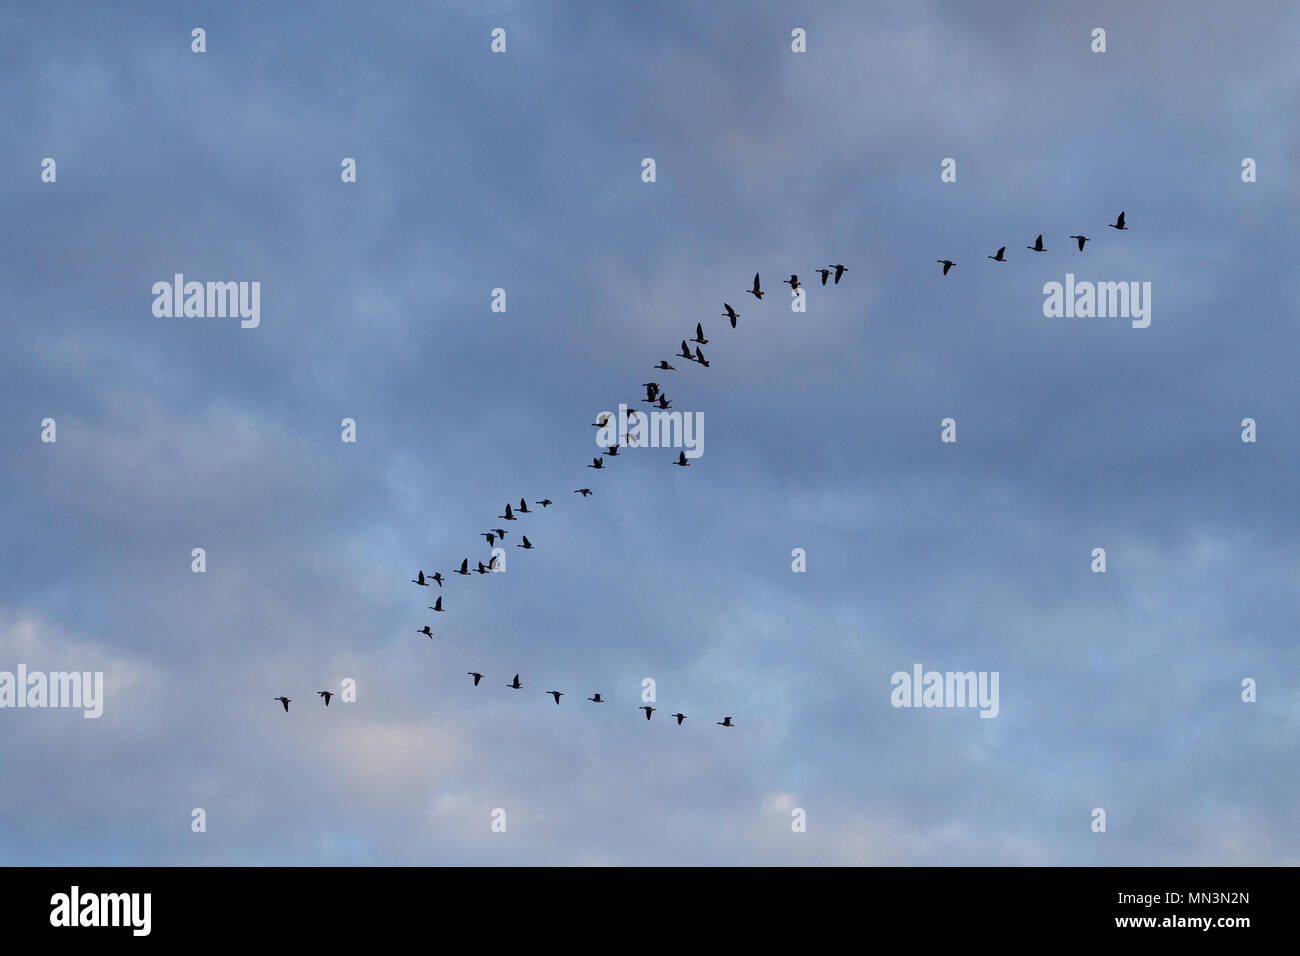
<point>1038,244</point>
<point>419,579</point>
<point>424,630</point>
<point>947,264</point>
<point>585,492</point>
<point>596,698</point>
<point>491,538</point>
<point>839,271</point>
<point>792,282</point>
<point>998,257</point>
<point>680,718</point>
<point>731,313</point>
<point>509,515</point>
<point>597,464</point>
<point>476,675</point>
<point>557,694</point>
<point>686,350</point>
<point>464,567</point>
<point>664,365</point>
<point>611,451</point>
<point>327,694</point>
<point>436,605</point>
<point>1082,240</point>
<point>699,334</point>
<point>518,686</point>
<point>823,273</point>
<point>699,357</point>
<point>664,402</point>
<point>648,710</point>
<point>681,460</point>
<point>757,291</point>
<point>1118,223</point>
<point>527,545</point>
<point>284,700</point>
<point>523,507</point>
<point>601,420</point>
<point>545,502</point>
<point>725,722</point>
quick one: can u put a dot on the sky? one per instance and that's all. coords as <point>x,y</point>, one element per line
<point>1120,691</point>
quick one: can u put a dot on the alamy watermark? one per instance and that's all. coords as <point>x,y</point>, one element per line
<point>79,689</point>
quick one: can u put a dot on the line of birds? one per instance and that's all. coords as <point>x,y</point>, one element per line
<point>654,396</point>
<point>1036,247</point>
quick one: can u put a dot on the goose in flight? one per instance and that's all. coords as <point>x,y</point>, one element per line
<point>839,271</point>
<point>998,257</point>
<point>680,718</point>
<point>664,402</point>
<point>509,515</point>
<point>1038,244</point>
<point>464,567</point>
<point>601,420</point>
<point>699,334</point>
<point>664,365</point>
<point>686,350</point>
<point>284,700</point>
<point>523,507</point>
<point>327,694</point>
<point>424,630</point>
<point>731,313</point>
<point>612,451</point>
<point>648,710</point>
<point>725,722</point>
<point>681,460</point>
<point>757,291</point>
<point>1118,223</point>
<point>494,564</point>
<point>518,686</point>
<point>476,675</point>
<point>792,282</point>
<point>699,357</point>
<point>585,492</point>
<point>651,391</point>
<point>545,502</point>
<point>557,694</point>
<point>436,605</point>
<point>947,264</point>
<point>491,538</point>
<point>596,699</point>
<point>597,464</point>
<point>1082,240</point>
<point>823,273</point>
<point>527,545</point>
<point>501,533</point>
<point>482,570</point>
<point>419,579</point>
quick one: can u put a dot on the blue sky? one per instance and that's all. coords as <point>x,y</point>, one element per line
<point>522,171</point>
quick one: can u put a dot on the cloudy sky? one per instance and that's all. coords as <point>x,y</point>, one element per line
<point>522,170</point>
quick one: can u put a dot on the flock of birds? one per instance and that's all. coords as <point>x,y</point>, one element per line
<point>1036,247</point>
<point>654,396</point>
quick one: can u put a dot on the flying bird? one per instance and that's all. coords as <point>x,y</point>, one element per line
<point>699,334</point>
<point>464,567</point>
<point>1118,223</point>
<point>648,710</point>
<point>491,538</point>
<point>523,507</point>
<point>509,515</point>
<point>500,533</point>
<point>437,605</point>
<point>482,570</point>
<point>839,271</point>
<point>476,675</point>
<point>601,420</point>
<point>557,694</point>
<point>824,273</point>
<point>699,357</point>
<point>420,580</point>
<point>686,350</point>
<point>284,700</point>
<point>651,391</point>
<point>731,313</point>
<point>680,718</point>
<point>437,576</point>
<point>664,402</point>
<point>585,492</point>
<point>1038,244</point>
<point>545,502</point>
<point>1082,240</point>
<point>681,460</point>
<point>596,463</point>
<point>792,282</point>
<point>596,699</point>
<point>527,545</point>
<point>947,264</point>
<point>424,630</point>
<point>664,365</point>
<point>327,694</point>
<point>725,722</point>
<point>612,451</point>
<point>757,291</point>
<point>998,257</point>
<point>518,686</point>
